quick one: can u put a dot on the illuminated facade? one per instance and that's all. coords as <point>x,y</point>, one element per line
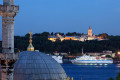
<point>61,38</point>
<point>90,32</point>
<point>82,38</point>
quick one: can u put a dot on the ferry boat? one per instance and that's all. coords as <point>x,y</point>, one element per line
<point>58,58</point>
<point>85,59</point>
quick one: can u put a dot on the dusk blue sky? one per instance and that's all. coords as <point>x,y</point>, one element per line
<point>67,16</point>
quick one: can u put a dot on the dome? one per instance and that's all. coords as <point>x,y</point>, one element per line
<point>33,65</point>
<point>30,47</point>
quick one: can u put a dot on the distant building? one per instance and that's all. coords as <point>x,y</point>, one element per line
<point>53,38</point>
<point>90,31</point>
<point>82,38</point>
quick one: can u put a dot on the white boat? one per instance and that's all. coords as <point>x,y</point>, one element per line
<point>85,59</point>
<point>57,58</point>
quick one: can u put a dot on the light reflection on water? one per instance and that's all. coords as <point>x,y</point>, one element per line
<point>93,65</point>
<point>118,65</point>
<point>92,71</point>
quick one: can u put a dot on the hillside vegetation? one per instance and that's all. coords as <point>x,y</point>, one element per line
<point>41,42</point>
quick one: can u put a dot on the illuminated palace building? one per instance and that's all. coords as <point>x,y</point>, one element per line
<point>82,38</point>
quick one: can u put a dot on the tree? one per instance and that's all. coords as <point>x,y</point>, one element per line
<point>118,76</point>
<point>73,34</point>
<point>51,33</point>
<point>41,42</point>
<point>104,35</point>
<point>45,34</point>
<point>27,35</point>
<point>62,34</point>
<point>111,79</point>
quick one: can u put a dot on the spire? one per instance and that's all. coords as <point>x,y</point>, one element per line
<point>30,47</point>
<point>90,27</point>
<point>90,31</point>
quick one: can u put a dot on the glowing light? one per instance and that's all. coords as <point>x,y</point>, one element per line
<point>119,53</point>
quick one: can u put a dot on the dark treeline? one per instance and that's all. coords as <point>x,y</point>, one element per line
<point>41,43</point>
<point>68,34</point>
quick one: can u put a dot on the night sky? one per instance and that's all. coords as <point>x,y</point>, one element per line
<point>67,16</point>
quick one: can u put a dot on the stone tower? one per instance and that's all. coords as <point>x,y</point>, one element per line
<point>8,57</point>
<point>90,31</point>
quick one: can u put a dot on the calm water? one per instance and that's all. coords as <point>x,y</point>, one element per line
<point>91,72</point>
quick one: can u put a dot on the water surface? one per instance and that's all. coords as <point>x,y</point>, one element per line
<point>91,72</point>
